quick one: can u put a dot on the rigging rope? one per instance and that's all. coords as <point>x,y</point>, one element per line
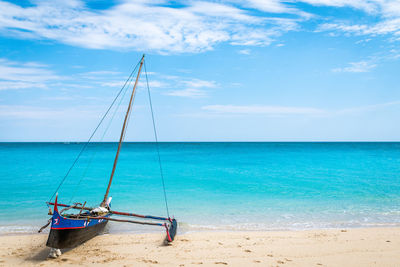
<point>102,137</point>
<point>156,138</point>
<point>91,136</point>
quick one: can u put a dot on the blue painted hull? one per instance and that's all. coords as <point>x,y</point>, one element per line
<point>69,232</point>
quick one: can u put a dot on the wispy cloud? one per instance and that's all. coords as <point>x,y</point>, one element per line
<point>386,12</point>
<point>245,51</point>
<point>190,93</point>
<point>267,110</point>
<point>370,6</point>
<point>389,26</point>
<point>193,27</point>
<point>262,109</point>
<point>30,75</point>
<point>366,108</point>
<point>361,66</point>
<point>197,83</point>
<point>370,62</point>
<point>273,6</point>
<point>171,85</point>
<point>188,87</point>
<point>18,75</point>
<point>141,84</point>
<point>39,113</point>
<point>93,112</point>
<point>94,75</point>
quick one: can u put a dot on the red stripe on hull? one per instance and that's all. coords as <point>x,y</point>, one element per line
<point>63,228</point>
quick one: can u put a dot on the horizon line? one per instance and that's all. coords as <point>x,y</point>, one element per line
<point>305,141</point>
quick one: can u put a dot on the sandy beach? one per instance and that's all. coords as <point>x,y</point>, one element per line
<point>336,247</point>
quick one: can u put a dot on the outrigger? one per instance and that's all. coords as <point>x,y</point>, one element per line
<point>70,230</point>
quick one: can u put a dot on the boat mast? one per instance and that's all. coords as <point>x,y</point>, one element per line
<point>122,133</point>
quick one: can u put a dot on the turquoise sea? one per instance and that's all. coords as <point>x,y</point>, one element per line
<point>210,186</point>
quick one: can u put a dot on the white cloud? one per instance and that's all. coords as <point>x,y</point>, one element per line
<point>192,88</point>
<point>112,84</point>
<point>197,83</point>
<point>370,6</point>
<point>17,75</point>
<point>361,66</point>
<point>10,85</point>
<point>182,86</point>
<point>386,12</point>
<point>289,110</point>
<point>190,93</point>
<point>156,84</point>
<point>273,6</point>
<point>245,51</point>
<point>99,73</point>
<point>367,108</point>
<point>263,110</point>
<point>39,113</point>
<point>28,75</point>
<point>145,26</point>
<point>357,29</point>
<point>193,26</point>
<point>391,26</point>
<point>92,112</point>
<point>390,8</point>
<point>142,83</point>
<point>221,11</point>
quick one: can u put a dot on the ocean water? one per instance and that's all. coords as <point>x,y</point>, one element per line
<point>210,186</point>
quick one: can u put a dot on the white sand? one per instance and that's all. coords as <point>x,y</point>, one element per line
<point>351,247</point>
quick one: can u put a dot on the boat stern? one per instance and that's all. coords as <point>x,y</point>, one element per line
<point>171,230</point>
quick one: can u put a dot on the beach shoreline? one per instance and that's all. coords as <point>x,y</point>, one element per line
<point>329,247</point>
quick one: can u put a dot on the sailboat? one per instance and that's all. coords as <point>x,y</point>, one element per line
<point>71,230</point>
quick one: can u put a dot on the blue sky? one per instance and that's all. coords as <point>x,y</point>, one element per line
<point>251,70</point>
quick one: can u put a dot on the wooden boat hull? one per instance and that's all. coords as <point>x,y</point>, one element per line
<point>70,232</point>
<point>68,238</point>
